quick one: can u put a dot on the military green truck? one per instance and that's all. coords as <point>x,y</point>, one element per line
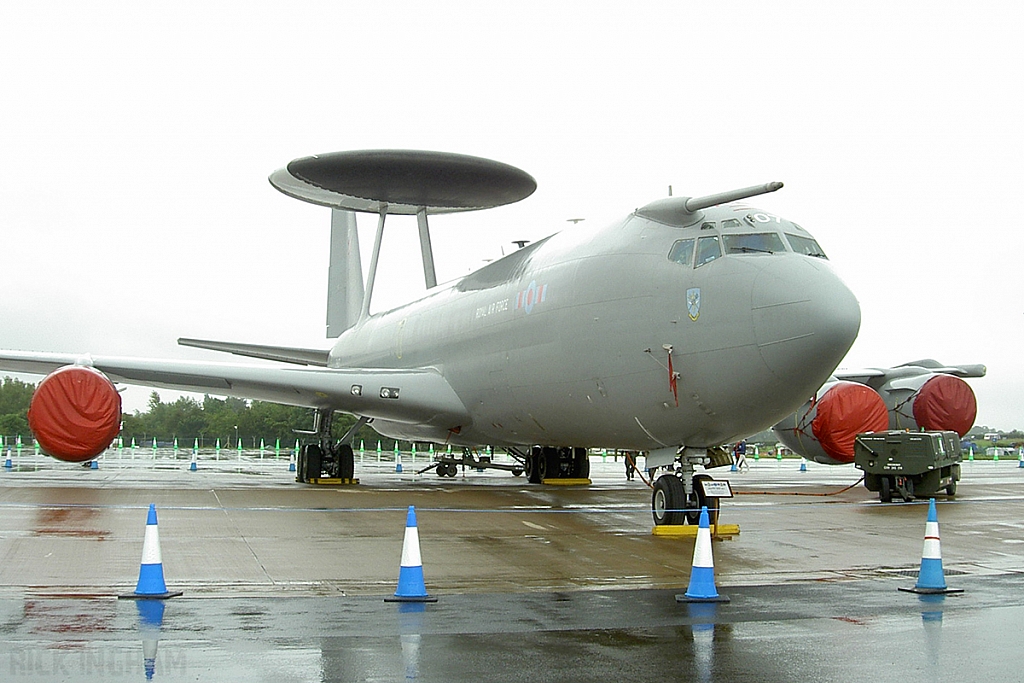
<point>908,464</point>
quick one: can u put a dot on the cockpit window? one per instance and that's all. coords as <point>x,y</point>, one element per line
<point>707,250</point>
<point>682,252</point>
<point>731,223</point>
<point>805,246</point>
<point>756,243</point>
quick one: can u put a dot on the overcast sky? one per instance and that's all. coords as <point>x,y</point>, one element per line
<point>137,138</point>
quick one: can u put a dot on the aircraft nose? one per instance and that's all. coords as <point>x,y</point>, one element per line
<point>805,318</point>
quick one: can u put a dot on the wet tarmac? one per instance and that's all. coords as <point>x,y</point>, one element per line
<point>284,582</point>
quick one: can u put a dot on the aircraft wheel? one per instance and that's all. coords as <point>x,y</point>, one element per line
<point>698,500</point>
<point>580,463</point>
<point>668,500</point>
<point>550,463</point>
<point>885,490</point>
<point>346,462</point>
<point>517,472</point>
<point>533,466</point>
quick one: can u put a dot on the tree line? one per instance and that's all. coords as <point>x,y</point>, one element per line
<point>187,420</point>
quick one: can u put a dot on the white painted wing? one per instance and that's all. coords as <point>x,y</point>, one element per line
<point>414,396</point>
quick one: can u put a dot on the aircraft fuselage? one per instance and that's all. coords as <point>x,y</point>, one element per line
<point>566,342</point>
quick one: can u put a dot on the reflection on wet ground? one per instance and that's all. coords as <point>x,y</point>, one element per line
<point>849,631</point>
<point>285,583</point>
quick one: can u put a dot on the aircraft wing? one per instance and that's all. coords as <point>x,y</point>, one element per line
<point>415,396</point>
<point>876,377</point>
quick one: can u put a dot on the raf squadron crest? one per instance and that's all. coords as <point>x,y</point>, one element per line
<point>693,302</point>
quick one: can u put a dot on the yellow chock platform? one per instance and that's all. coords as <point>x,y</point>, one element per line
<point>327,481</point>
<point>690,530</point>
<point>566,482</point>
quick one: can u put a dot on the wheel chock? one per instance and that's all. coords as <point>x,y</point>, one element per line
<point>566,482</point>
<point>690,531</point>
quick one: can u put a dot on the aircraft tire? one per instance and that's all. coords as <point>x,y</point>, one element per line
<point>549,463</point>
<point>580,464</point>
<point>532,466</point>
<point>668,500</point>
<point>346,462</point>
<point>699,500</point>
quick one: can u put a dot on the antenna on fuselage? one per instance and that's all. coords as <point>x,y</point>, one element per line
<point>403,182</point>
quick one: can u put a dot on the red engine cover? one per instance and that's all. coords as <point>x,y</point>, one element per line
<point>75,413</point>
<point>946,402</point>
<point>846,410</point>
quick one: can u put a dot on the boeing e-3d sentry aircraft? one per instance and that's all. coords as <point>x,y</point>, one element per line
<point>687,324</point>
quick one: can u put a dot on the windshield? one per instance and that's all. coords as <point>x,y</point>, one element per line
<point>805,246</point>
<point>757,243</point>
<point>707,250</point>
<point>682,252</point>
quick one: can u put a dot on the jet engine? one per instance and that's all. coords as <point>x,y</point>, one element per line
<point>75,413</point>
<point>824,428</point>
<point>933,402</point>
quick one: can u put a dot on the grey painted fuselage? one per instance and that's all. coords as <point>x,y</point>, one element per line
<point>566,342</point>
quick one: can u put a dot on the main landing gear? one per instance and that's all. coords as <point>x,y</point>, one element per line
<point>679,494</point>
<point>327,461</point>
<point>545,462</point>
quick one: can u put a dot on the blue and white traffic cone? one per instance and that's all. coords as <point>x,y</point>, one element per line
<point>94,465</point>
<point>398,461</point>
<point>151,573</point>
<point>410,574</point>
<point>803,464</point>
<point>7,463</point>
<point>193,466</point>
<point>931,579</point>
<point>702,574</point>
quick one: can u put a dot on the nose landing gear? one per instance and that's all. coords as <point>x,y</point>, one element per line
<point>679,495</point>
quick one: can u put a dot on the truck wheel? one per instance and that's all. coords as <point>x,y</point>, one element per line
<point>909,495</point>
<point>951,489</point>
<point>885,490</point>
